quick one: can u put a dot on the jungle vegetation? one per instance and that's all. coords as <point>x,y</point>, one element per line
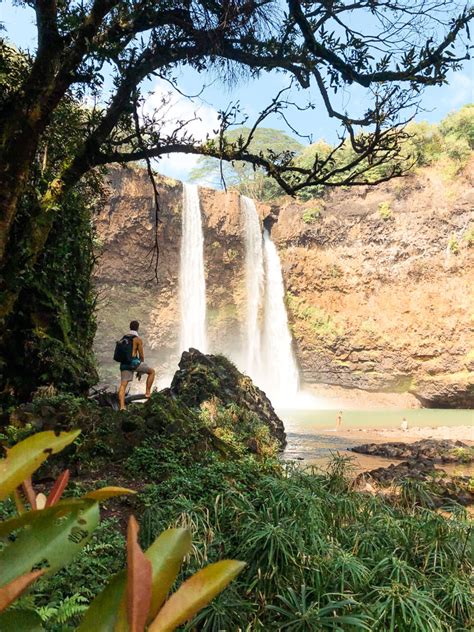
<point>319,554</point>
<point>448,144</point>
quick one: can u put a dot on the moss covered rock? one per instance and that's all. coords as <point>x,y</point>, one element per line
<point>201,378</point>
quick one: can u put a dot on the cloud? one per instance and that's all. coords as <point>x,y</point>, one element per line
<point>461,90</point>
<point>201,120</point>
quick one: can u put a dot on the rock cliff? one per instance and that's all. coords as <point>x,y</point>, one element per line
<point>379,280</point>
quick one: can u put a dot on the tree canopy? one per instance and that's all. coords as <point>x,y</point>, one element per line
<point>249,180</point>
<point>103,51</point>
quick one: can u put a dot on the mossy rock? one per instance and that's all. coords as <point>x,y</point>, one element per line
<point>201,378</point>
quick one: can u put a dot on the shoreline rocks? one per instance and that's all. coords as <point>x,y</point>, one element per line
<point>440,486</point>
<point>433,450</point>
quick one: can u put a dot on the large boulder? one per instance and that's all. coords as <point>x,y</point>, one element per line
<point>443,451</point>
<point>203,377</point>
<point>440,485</point>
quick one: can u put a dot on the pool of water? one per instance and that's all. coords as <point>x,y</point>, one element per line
<point>307,421</point>
<point>311,442</point>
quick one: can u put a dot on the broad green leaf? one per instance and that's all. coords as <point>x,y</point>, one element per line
<point>108,492</point>
<point>138,581</point>
<point>101,616</point>
<point>108,612</point>
<point>166,555</point>
<point>30,517</point>
<point>26,457</point>
<point>194,594</point>
<point>14,589</point>
<point>53,542</point>
<point>20,621</point>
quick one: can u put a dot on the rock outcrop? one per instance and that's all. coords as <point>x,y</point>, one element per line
<point>433,450</point>
<point>202,378</point>
<point>244,416</point>
<point>378,280</point>
<point>440,485</point>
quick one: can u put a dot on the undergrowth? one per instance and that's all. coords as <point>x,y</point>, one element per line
<point>320,556</point>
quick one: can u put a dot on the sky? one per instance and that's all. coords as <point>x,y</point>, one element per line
<point>253,95</point>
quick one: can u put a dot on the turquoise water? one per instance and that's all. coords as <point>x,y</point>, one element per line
<point>304,421</point>
<point>311,442</point>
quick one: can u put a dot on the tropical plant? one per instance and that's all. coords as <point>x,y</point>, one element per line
<point>49,535</point>
<point>310,215</point>
<point>385,210</point>
<point>249,180</point>
<point>301,611</point>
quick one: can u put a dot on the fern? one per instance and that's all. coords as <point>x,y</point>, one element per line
<point>65,611</point>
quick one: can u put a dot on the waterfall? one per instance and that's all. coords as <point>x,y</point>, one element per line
<point>281,378</point>
<point>192,285</point>
<point>268,353</point>
<point>254,285</point>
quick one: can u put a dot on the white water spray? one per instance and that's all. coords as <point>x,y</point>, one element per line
<point>281,377</point>
<point>192,285</point>
<point>254,285</point>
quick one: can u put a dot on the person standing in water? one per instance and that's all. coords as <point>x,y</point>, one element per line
<point>137,365</point>
<point>339,420</point>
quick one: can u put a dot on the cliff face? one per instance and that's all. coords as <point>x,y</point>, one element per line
<point>380,288</point>
<point>379,280</point>
<point>125,275</point>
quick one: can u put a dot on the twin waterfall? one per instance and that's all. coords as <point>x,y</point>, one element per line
<point>267,356</point>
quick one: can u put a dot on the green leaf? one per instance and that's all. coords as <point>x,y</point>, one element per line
<point>58,535</point>
<point>20,620</point>
<point>26,457</point>
<point>108,610</point>
<point>30,517</point>
<point>104,493</point>
<point>166,555</point>
<point>194,594</point>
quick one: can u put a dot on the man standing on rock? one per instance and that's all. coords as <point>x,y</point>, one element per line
<point>136,364</point>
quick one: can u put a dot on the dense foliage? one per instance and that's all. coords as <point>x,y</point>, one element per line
<point>48,532</point>
<point>448,145</point>
<point>52,326</point>
<point>320,555</point>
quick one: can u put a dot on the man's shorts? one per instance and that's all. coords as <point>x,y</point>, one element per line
<point>127,376</point>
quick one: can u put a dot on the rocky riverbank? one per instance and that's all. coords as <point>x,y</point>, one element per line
<point>435,451</point>
<point>421,457</point>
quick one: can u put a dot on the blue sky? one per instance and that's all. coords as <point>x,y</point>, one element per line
<point>253,95</point>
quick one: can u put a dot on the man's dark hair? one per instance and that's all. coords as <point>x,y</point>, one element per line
<point>134,325</point>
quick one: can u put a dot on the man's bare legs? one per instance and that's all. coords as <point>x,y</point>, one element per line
<point>121,394</point>
<point>149,382</point>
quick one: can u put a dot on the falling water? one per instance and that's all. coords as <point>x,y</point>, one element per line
<point>192,286</point>
<point>281,379</point>
<point>254,286</point>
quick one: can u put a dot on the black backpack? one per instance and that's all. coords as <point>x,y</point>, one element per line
<point>123,350</point>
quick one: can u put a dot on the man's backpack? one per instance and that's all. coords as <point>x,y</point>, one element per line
<point>124,350</point>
